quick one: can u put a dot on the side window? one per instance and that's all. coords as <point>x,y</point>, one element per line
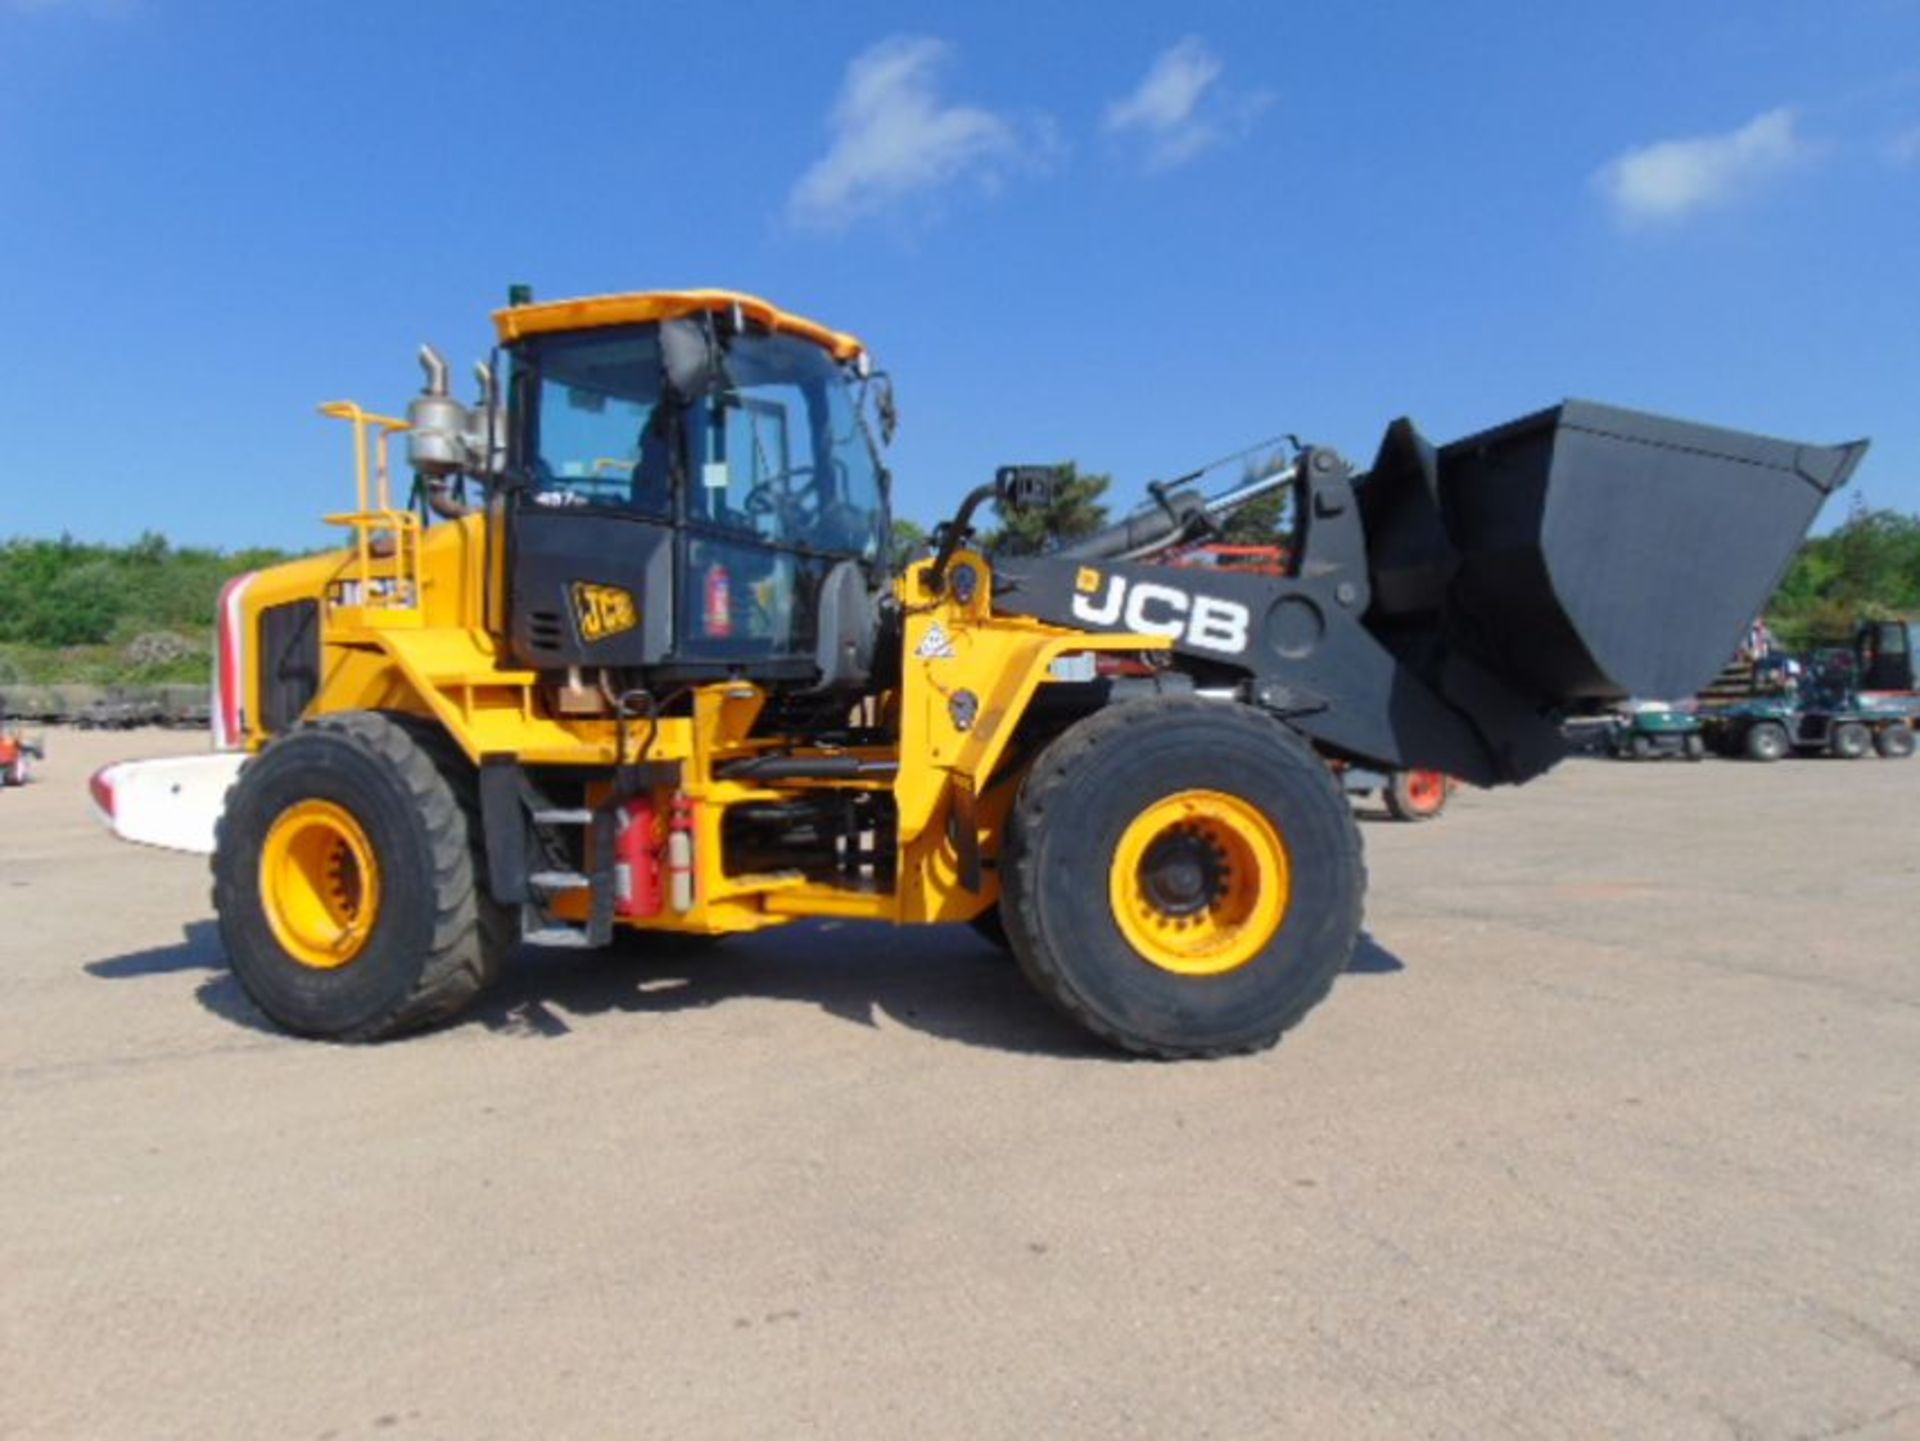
<point>604,450</point>
<point>605,434</point>
<point>751,464</point>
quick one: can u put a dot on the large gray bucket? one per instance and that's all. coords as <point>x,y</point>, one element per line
<point>1588,553</point>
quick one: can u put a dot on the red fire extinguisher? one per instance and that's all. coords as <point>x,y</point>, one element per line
<point>717,604</point>
<point>636,859</point>
<point>680,853</point>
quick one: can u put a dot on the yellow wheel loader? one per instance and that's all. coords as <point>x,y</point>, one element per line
<point>634,657</point>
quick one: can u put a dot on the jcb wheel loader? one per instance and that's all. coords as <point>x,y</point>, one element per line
<point>638,660</point>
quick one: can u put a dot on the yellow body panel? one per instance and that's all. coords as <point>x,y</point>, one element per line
<point>439,659</point>
<point>639,307</point>
<point>410,615</point>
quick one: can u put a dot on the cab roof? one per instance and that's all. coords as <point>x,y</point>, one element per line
<point>640,306</point>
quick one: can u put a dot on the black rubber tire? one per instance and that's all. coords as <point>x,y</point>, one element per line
<point>439,939</point>
<point>1643,748</point>
<point>1694,747</point>
<point>1895,742</point>
<point>1075,802</point>
<point>1850,741</point>
<point>1765,741</point>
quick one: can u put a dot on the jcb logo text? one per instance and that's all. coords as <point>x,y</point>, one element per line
<point>602,610</point>
<point>1205,622</point>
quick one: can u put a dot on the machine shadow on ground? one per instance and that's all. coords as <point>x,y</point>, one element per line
<point>949,983</point>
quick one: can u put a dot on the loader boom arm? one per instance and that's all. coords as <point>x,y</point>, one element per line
<point>1447,608</point>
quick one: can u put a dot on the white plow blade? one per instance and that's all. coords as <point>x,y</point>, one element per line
<point>172,802</point>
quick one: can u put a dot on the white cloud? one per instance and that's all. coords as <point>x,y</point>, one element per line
<point>893,138</point>
<point>1672,179</point>
<point>1179,108</point>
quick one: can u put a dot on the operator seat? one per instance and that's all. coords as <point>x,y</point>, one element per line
<point>652,480</point>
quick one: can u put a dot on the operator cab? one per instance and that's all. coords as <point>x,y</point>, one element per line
<point>1887,653</point>
<point>690,491</point>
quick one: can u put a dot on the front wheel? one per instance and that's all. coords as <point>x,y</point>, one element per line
<point>1182,877</point>
<point>347,878</point>
<point>1851,741</point>
<point>1767,741</point>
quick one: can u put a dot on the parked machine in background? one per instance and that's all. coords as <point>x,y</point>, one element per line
<point>1886,665</point>
<point>1811,707</point>
<point>17,755</point>
<point>1653,730</point>
<point>641,663</point>
<point>1408,795</point>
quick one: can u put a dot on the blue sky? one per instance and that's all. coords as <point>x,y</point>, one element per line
<point>1126,234</point>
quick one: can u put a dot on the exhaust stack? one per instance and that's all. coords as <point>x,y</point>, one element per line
<point>438,424</point>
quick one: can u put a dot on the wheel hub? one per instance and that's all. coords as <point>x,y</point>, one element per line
<point>319,884</point>
<point>1184,872</point>
<point>1199,883</point>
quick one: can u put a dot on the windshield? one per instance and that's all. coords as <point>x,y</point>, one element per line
<point>776,453</point>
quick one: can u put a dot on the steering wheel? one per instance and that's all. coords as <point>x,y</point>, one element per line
<point>796,509</point>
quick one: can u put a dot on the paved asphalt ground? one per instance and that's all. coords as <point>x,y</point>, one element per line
<point>1613,1130</point>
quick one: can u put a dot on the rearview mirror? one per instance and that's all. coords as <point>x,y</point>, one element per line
<point>1026,487</point>
<point>690,357</point>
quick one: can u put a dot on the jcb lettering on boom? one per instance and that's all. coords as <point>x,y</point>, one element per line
<point>1205,622</point>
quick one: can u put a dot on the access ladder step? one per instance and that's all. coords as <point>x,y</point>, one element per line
<point>569,937</point>
<point>559,881</point>
<point>570,816</point>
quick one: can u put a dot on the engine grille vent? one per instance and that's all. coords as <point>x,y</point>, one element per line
<point>546,630</point>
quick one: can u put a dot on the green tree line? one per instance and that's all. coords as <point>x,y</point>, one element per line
<point>71,610</point>
<point>1868,568</point>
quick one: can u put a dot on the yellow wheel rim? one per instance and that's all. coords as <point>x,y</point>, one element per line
<point>319,884</point>
<point>1199,883</point>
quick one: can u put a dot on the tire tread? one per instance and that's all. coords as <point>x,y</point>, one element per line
<point>472,933</point>
<point>1054,770</point>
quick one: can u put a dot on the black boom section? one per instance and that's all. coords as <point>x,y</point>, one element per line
<point>1447,608</point>
<point>1303,653</point>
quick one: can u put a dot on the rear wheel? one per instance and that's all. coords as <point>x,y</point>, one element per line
<point>1766,741</point>
<point>1643,748</point>
<point>1850,741</point>
<point>1695,747</point>
<point>1182,877</point>
<point>1895,742</point>
<point>347,877</point>
<point>1416,795</point>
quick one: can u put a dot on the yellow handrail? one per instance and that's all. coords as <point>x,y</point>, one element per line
<point>375,512</point>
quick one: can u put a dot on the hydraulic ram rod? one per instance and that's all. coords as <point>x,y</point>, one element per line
<point>1179,515</point>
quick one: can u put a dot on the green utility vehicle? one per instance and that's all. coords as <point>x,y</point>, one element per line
<point>1652,731</point>
<point>1815,712</point>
